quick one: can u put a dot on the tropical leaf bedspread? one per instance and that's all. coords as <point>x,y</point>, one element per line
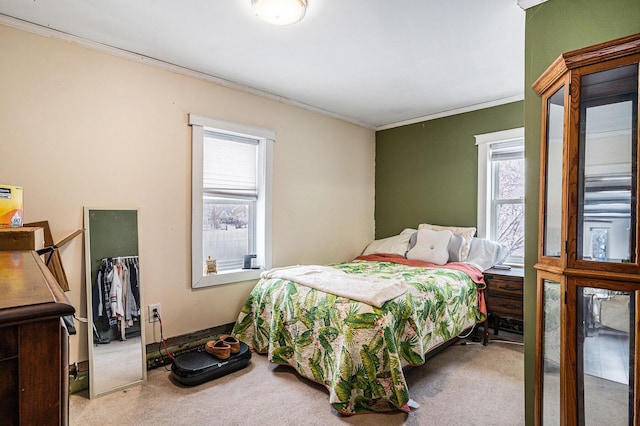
<point>355,350</point>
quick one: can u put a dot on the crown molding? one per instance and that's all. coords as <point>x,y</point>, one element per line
<point>526,4</point>
<point>451,112</point>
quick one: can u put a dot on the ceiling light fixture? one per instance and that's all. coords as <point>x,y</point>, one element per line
<point>280,12</point>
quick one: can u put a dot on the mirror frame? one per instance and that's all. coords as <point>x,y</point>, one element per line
<point>89,287</point>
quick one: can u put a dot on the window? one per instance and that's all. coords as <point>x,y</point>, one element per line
<point>231,198</point>
<point>501,190</point>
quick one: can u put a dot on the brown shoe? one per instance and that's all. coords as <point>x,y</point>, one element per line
<point>231,341</point>
<point>218,348</point>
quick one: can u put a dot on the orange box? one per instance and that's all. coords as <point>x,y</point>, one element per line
<point>10,206</point>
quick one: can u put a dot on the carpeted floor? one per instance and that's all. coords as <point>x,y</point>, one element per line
<point>465,384</point>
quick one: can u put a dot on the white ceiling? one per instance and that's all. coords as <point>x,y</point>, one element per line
<point>377,63</point>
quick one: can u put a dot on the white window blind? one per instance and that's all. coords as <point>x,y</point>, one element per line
<point>230,166</point>
<point>503,151</point>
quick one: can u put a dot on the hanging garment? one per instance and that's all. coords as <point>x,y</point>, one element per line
<point>115,294</point>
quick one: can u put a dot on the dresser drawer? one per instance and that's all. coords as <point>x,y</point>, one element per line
<point>504,306</point>
<point>504,286</point>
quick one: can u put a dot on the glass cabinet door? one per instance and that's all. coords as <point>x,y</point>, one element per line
<point>550,404</point>
<point>605,356</point>
<point>553,175</point>
<point>608,165</point>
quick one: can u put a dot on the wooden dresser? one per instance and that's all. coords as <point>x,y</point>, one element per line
<point>34,352</point>
<point>505,293</point>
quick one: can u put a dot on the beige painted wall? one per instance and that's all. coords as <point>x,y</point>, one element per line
<point>79,127</point>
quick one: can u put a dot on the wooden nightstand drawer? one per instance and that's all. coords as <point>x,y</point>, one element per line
<point>506,307</point>
<point>503,286</point>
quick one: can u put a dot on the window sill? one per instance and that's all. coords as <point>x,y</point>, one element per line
<point>227,277</point>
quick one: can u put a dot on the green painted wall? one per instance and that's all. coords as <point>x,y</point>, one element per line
<point>552,28</point>
<point>428,172</point>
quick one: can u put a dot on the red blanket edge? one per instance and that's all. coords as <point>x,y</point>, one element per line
<point>474,273</point>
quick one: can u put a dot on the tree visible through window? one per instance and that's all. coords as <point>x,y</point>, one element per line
<point>508,197</point>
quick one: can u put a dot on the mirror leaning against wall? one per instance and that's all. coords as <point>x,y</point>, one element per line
<point>117,357</point>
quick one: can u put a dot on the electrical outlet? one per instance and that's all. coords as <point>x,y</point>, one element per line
<point>152,316</point>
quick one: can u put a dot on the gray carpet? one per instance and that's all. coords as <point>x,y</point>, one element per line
<point>470,385</point>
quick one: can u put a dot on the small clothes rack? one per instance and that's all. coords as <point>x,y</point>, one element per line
<point>116,295</point>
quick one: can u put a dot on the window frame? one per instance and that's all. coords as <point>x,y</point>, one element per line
<point>263,216</point>
<point>486,183</point>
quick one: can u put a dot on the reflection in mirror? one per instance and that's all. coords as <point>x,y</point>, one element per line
<point>551,353</point>
<point>607,206</point>
<point>553,203</point>
<point>606,342</point>
<point>116,335</point>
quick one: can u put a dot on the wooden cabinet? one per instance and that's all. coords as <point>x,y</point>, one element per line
<point>34,380</point>
<point>588,270</point>
<point>505,293</point>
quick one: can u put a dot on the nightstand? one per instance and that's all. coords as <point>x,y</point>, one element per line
<point>504,295</point>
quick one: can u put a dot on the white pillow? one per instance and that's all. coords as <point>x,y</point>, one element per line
<point>396,245</point>
<point>466,232</point>
<point>431,246</point>
<point>456,243</point>
<point>486,253</point>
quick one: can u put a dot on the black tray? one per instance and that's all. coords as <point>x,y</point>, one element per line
<point>194,368</point>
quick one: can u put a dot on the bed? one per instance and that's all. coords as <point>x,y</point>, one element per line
<point>356,349</point>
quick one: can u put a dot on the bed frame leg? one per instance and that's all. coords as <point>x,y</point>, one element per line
<point>485,340</point>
